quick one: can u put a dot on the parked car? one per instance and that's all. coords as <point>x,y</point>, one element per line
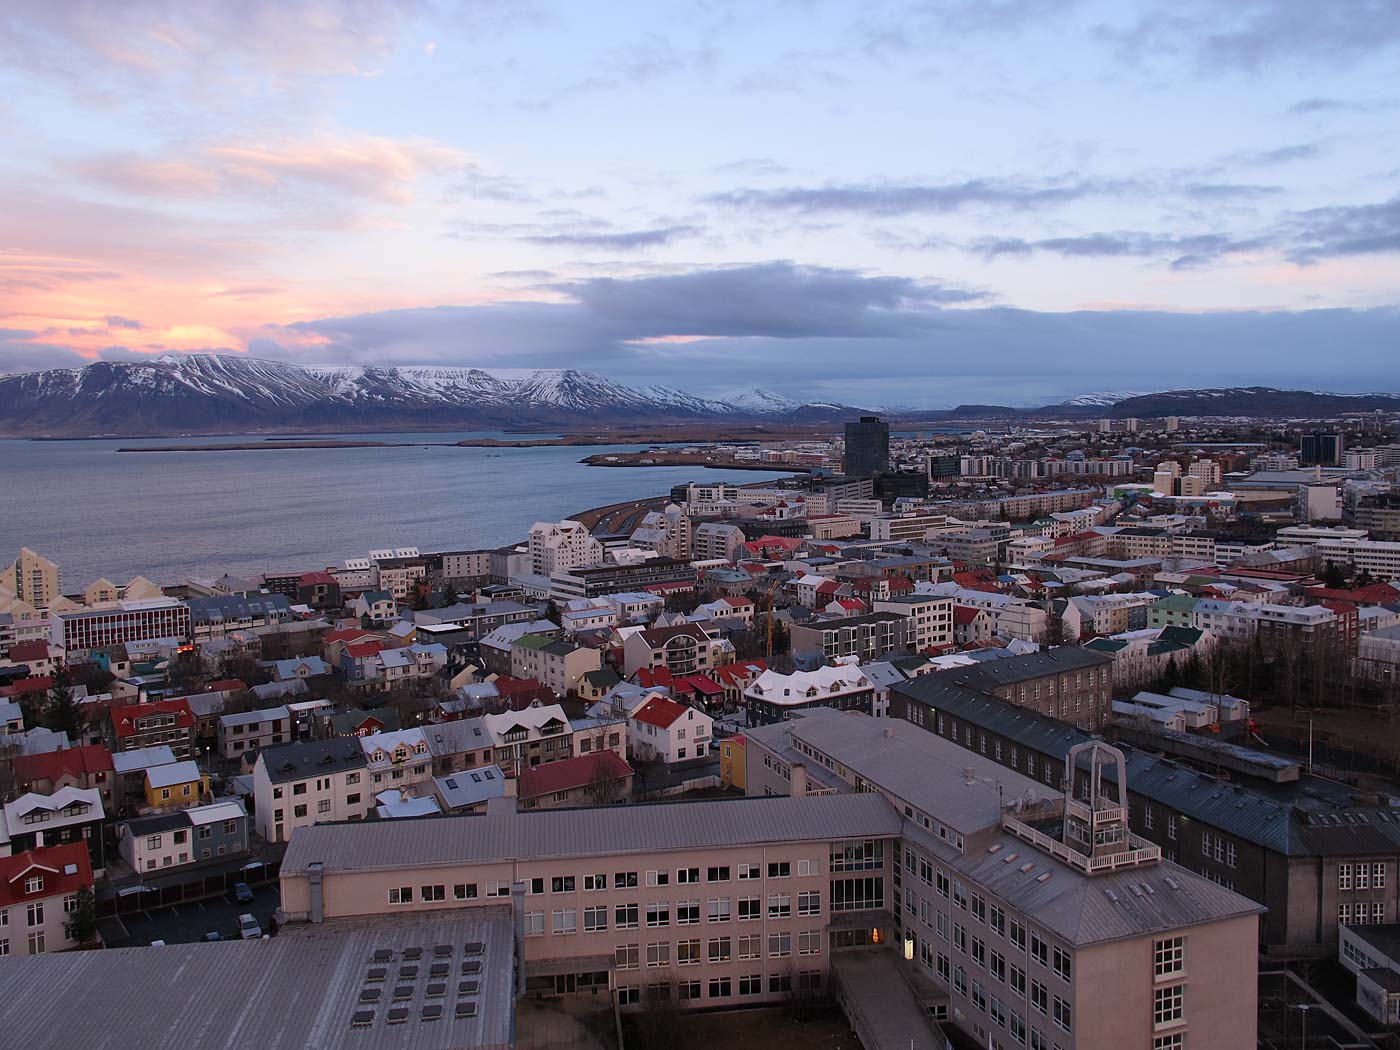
<point>213,935</point>
<point>242,893</point>
<point>248,927</point>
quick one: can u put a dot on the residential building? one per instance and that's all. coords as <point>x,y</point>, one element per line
<point>477,619</point>
<point>219,615</point>
<point>668,731</point>
<point>253,730</point>
<point>88,767</point>
<point>471,790</point>
<point>297,785</point>
<point>69,815</point>
<point>520,739</point>
<point>914,526</point>
<point>38,891</point>
<point>162,722</point>
<point>1375,558</point>
<point>175,785</point>
<point>184,837</point>
<point>774,697</point>
<point>870,637</point>
<point>400,576</point>
<point>78,631</point>
<point>666,531</point>
<point>374,606</point>
<point>684,649</point>
<point>716,541</point>
<point>33,579</point>
<point>557,663</point>
<point>562,546</point>
<point>634,607</point>
<point>600,779</point>
<point>929,618</point>
<point>732,762</point>
<point>398,760</point>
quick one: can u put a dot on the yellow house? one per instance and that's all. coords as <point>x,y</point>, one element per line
<point>731,763</point>
<point>176,785</point>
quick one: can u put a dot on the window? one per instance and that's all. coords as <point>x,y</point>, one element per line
<point>299,789</point>
<point>721,949</point>
<point>720,988</point>
<point>1168,1005</point>
<point>323,806</point>
<point>565,920</point>
<point>658,955</point>
<point>433,893</point>
<point>960,938</point>
<point>625,917</point>
<point>688,953</point>
<point>979,908</point>
<point>779,905</point>
<point>996,963</point>
<point>152,842</point>
<point>750,908</point>
<point>593,883</point>
<point>996,918</point>
<point>659,914</point>
<point>1018,935</point>
<point>979,952</point>
<point>1062,964</point>
<point>595,919</point>
<point>750,871</point>
<point>624,880</point>
<point>36,914</point>
<point>687,876</point>
<point>498,889</point>
<point>687,913</point>
<point>779,870</point>
<point>1018,980</point>
<point>719,874</point>
<point>750,946</point>
<point>718,909</point>
<point>562,884</point>
<point>1040,951</point>
<point>780,982</point>
<point>688,990</point>
<point>809,867</point>
<point>809,903</point>
<point>1378,875</point>
<point>751,984</point>
<point>1062,1014</point>
<point>36,942</point>
<point>1168,956</point>
<point>626,957</point>
<point>629,996</point>
<point>353,800</point>
<point>779,945</point>
<point>943,885</point>
<point>401,895</point>
<point>464,891</point>
<point>299,811</point>
<point>1040,997</point>
<point>1174,1041</point>
<point>1343,876</point>
<point>658,878</point>
<point>809,942</point>
<point>534,924</point>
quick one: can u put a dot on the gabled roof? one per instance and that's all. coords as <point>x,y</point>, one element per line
<point>290,762</point>
<point>175,773</point>
<point>65,869</point>
<point>660,712</point>
<point>73,761</point>
<point>124,718</point>
<point>571,773</point>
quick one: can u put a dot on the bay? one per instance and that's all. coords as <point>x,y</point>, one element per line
<point>171,515</point>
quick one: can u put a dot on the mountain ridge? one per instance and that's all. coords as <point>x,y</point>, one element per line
<point>202,394</point>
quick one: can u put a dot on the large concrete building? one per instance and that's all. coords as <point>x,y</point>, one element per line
<point>559,546</point>
<point>33,578</point>
<point>867,447</point>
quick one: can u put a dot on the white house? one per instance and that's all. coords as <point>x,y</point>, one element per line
<point>297,785</point>
<point>670,731</point>
<point>397,760</point>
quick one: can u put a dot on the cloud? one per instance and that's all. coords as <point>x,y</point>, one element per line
<point>889,198</point>
<point>19,354</point>
<point>1278,155</point>
<point>1190,251</point>
<point>627,241</point>
<point>1342,230</point>
<point>363,166</point>
<point>1250,35</point>
<point>117,321</point>
<point>237,46</point>
<point>476,183</point>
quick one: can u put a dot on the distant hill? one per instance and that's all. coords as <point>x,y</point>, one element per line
<point>1255,401</point>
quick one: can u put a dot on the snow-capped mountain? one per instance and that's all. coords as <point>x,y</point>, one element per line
<point>1103,398</point>
<point>756,399</point>
<point>217,393</point>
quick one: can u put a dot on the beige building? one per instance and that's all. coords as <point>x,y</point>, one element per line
<point>33,578</point>
<point>556,662</point>
<point>558,546</point>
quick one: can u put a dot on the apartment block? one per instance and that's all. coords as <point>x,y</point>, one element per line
<point>38,890</point>
<point>297,785</point>
<point>560,546</point>
<point>601,580</point>
<point>121,622</point>
<point>870,637</point>
<point>929,618</point>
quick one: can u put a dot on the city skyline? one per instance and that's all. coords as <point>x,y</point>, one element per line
<point>926,204</point>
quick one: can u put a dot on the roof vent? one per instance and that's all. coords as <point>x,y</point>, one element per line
<point>1043,877</point>
<point>362,1019</point>
<point>1027,866</point>
<point>432,1012</point>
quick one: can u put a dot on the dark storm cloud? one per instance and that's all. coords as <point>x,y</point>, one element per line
<point>1342,230</point>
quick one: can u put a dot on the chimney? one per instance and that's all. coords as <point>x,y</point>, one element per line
<point>969,774</point>
<point>315,873</point>
<point>799,781</point>
<point>889,732</point>
<point>517,905</point>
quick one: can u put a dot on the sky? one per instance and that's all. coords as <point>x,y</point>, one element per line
<point>880,203</point>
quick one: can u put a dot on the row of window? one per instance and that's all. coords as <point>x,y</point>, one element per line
<point>1360,913</point>
<point>716,949</point>
<point>723,987</point>
<point>1361,876</point>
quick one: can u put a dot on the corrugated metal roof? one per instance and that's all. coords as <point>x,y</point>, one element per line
<point>589,832</point>
<point>298,991</point>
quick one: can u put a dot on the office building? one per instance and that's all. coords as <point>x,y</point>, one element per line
<point>867,447</point>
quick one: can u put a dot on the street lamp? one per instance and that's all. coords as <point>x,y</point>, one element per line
<point>1305,1007</point>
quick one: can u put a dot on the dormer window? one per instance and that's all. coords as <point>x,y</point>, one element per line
<point>34,884</point>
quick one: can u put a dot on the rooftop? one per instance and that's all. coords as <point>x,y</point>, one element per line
<point>588,832</point>
<point>306,988</point>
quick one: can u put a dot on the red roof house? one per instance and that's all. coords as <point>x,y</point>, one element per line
<point>595,779</point>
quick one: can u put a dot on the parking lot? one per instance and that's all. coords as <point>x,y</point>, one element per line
<point>189,922</point>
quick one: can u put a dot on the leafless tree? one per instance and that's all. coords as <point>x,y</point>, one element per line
<point>604,787</point>
<point>660,1022</point>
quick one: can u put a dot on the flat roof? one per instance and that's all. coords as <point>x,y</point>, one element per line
<point>302,990</point>
<point>587,832</point>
